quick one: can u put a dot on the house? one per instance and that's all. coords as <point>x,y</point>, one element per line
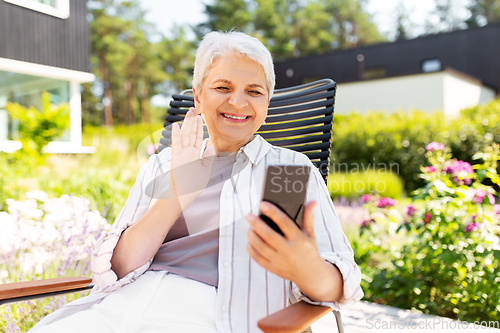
<point>447,71</point>
<point>44,46</point>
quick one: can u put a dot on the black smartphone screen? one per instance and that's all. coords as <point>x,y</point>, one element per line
<point>286,186</point>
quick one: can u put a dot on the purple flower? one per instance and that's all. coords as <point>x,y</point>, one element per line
<point>473,226</point>
<point>430,169</point>
<point>410,210</point>
<point>427,217</point>
<point>497,209</point>
<point>460,171</point>
<point>365,198</point>
<point>459,166</point>
<point>386,202</point>
<point>433,146</point>
<point>366,223</point>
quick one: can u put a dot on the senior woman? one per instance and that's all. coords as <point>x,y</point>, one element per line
<point>188,252</point>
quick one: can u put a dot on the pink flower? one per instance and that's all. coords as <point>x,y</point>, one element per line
<point>430,169</point>
<point>427,217</point>
<point>460,171</point>
<point>365,198</point>
<point>479,197</point>
<point>433,146</point>
<point>473,226</point>
<point>386,202</point>
<point>497,209</point>
<point>410,210</point>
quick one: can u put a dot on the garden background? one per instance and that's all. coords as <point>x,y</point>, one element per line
<point>427,238</point>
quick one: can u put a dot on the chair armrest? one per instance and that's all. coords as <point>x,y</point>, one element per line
<point>293,319</point>
<point>12,292</point>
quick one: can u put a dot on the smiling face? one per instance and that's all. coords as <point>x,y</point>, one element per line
<point>233,101</point>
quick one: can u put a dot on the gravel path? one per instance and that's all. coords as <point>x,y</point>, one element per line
<point>365,317</point>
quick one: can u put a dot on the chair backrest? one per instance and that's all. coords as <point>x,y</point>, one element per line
<point>299,118</point>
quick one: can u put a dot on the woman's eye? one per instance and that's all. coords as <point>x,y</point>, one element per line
<point>255,92</point>
<point>222,88</point>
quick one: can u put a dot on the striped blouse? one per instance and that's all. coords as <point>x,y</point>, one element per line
<point>246,292</point>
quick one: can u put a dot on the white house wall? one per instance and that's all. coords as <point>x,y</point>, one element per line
<point>460,94</point>
<point>428,92</point>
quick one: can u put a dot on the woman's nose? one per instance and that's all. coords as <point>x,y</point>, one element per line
<point>238,100</point>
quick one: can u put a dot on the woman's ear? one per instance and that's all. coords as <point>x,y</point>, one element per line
<point>196,100</point>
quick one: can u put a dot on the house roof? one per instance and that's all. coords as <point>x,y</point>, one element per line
<point>474,52</point>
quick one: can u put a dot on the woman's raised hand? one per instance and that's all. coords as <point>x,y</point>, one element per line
<point>190,173</point>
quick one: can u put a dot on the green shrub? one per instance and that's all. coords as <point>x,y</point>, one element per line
<point>475,128</point>
<point>39,127</point>
<point>125,138</point>
<point>441,255</point>
<point>17,172</point>
<point>104,178</point>
<point>381,139</point>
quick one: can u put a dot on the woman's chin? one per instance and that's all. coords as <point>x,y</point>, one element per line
<point>231,141</point>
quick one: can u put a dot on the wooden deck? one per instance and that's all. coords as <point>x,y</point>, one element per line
<point>365,317</point>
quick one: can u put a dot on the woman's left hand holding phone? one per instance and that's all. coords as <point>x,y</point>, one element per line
<point>295,256</point>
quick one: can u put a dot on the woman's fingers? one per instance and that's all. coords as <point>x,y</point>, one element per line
<point>260,246</point>
<point>194,128</point>
<point>308,220</point>
<point>176,139</point>
<point>191,133</point>
<point>286,224</point>
<point>186,128</point>
<point>271,237</point>
<point>261,260</point>
<point>199,136</point>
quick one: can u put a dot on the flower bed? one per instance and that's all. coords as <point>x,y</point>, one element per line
<point>43,238</point>
<point>441,254</point>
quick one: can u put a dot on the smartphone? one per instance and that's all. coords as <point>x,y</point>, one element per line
<point>286,186</point>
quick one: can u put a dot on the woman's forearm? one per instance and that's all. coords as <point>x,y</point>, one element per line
<point>322,283</point>
<point>141,241</point>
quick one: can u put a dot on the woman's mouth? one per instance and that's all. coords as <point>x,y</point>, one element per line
<point>230,116</point>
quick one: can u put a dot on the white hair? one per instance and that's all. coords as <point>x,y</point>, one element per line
<point>216,44</point>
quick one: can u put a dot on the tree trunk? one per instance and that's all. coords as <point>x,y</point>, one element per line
<point>133,100</point>
<point>145,107</point>
<point>108,94</point>
<point>130,105</point>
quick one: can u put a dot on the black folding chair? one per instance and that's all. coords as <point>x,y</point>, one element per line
<point>299,118</point>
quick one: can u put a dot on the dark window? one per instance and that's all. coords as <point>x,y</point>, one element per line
<point>374,73</point>
<point>431,65</point>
